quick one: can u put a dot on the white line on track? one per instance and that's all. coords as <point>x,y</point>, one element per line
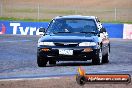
<point>10,41</point>
<point>20,79</point>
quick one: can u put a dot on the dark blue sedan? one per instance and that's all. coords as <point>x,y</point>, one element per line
<point>73,38</point>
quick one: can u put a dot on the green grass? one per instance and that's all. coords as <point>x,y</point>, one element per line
<point>127,22</point>
<point>47,20</point>
<point>24,19</point>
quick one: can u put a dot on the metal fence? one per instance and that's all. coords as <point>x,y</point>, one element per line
<point>39,11</point>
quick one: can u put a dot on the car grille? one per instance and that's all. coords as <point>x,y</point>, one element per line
<point>66,44</point>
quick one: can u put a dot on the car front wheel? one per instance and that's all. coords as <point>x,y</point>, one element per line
<point>52,62</point>
<point>41,62</point>
<point>106,57</point>
<point>97,60</point>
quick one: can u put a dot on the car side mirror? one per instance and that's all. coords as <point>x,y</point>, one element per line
<point>102,30</point>
<point>42,30</point>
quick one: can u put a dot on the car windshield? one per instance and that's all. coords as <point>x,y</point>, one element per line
<point>72,26</point>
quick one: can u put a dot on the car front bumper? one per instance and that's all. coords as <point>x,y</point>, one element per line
<point>79,54</point>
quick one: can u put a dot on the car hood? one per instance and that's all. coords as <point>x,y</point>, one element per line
<point>69,38</point>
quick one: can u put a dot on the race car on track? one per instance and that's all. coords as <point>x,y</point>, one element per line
<point>73,38</point>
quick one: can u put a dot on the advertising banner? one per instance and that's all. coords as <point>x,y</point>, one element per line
<point>22,28</point>
<point>114,30</point>
<point>127,31</point>
<point>32,28</point>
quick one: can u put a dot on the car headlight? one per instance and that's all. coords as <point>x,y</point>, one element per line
<point>87,44</point>
<point>46,43</point>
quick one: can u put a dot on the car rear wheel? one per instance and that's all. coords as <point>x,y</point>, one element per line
<point>106,57</point>
<point>97,60</point>
<point>41,62</point>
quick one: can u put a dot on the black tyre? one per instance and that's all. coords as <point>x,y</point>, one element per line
<point>52,62</point>
<point>97,60</point>
<point>105,58</point>
<point>41,62</point>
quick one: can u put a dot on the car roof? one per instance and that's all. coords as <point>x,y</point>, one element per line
<point>75,16</point>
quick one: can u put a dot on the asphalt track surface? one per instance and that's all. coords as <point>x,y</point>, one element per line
<point>18,59</point>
